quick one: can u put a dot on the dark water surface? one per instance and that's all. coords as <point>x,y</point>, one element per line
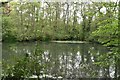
<point>85,60</point>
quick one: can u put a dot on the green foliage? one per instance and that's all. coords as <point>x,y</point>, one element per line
<point>32,21</point>
<point>25,67</point>
<point>107,34</point>
<point>7,31</point>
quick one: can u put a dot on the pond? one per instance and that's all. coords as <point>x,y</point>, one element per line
<point>59,60</point>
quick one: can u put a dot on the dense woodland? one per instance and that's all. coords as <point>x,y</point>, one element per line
<point>60,21</point>
<point>64,21</point>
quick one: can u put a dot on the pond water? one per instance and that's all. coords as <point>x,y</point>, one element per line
<point>64,60</point>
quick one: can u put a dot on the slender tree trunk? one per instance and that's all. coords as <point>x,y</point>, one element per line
<point>67,16</point>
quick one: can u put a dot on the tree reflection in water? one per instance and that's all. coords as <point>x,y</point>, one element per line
<point>54,60</point>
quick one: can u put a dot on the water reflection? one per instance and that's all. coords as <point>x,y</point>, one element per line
<point>61,60</point>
